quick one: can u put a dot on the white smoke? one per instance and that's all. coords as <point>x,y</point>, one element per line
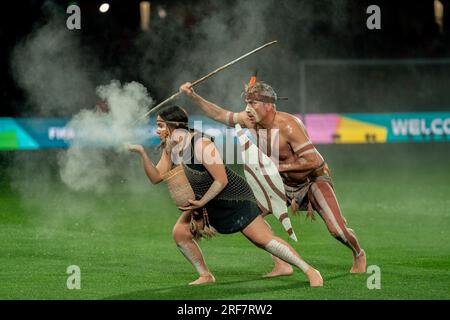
<point>232,29</point>
<point>54,70</point>
<point>100,137</point>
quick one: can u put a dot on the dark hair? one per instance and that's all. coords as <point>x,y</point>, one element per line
<point>176,117</point>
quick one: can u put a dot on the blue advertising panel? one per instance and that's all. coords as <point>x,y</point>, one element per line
<point>36,133</point>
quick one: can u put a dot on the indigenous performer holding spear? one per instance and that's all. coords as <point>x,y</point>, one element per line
<point>268,201</point>
<point>223,201</point>
<point>305,174</point>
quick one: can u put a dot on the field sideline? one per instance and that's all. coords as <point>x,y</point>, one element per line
<point>395,196</point>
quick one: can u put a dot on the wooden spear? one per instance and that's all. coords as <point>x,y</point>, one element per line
<point>207,76</point>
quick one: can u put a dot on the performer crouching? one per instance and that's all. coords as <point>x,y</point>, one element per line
<point>223,200</point>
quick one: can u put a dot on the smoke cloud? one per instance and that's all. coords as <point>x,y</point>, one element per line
<point>54,70</point>
<point>231,29</point>
<point>100,136</point>
<point>61,78</point>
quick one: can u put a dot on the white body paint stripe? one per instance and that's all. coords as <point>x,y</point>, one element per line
<point>302,146</point>
<point>307,152</point>
<point>282,251</point>
<point>329,214</point>
<point>235,117</point>
<point>192,258</point>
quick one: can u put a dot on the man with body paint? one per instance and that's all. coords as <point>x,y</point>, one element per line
<point>305,174</point>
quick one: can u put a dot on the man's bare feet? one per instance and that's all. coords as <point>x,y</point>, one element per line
<point>280,269</point>
<point>315,279</point>
<point>359,263</point>
<point>207,278</point>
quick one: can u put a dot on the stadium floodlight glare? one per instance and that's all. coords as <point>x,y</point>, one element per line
<point>162,13</point>
<point>104,7</point>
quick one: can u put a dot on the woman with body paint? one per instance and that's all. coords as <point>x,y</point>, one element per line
<point>223,198</point>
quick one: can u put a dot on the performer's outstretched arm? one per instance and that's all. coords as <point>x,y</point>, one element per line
<point>212,110</point>
<point>152,172</point>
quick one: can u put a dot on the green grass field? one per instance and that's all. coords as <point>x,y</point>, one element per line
<point>396,197</point>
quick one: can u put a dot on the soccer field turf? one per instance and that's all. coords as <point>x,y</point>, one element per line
<point>396,197</point>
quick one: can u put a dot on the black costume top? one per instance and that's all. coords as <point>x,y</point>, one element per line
<point>234,208</point>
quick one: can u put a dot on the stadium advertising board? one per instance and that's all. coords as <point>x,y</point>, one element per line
<point>348,128</point>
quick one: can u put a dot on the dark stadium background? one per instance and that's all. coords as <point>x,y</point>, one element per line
<point>408,31</point>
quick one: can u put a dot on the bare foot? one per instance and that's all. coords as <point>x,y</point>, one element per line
<point>207,278</point>
<point>315,279</point>
<point>280,269</point>
<point>359,263</point>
